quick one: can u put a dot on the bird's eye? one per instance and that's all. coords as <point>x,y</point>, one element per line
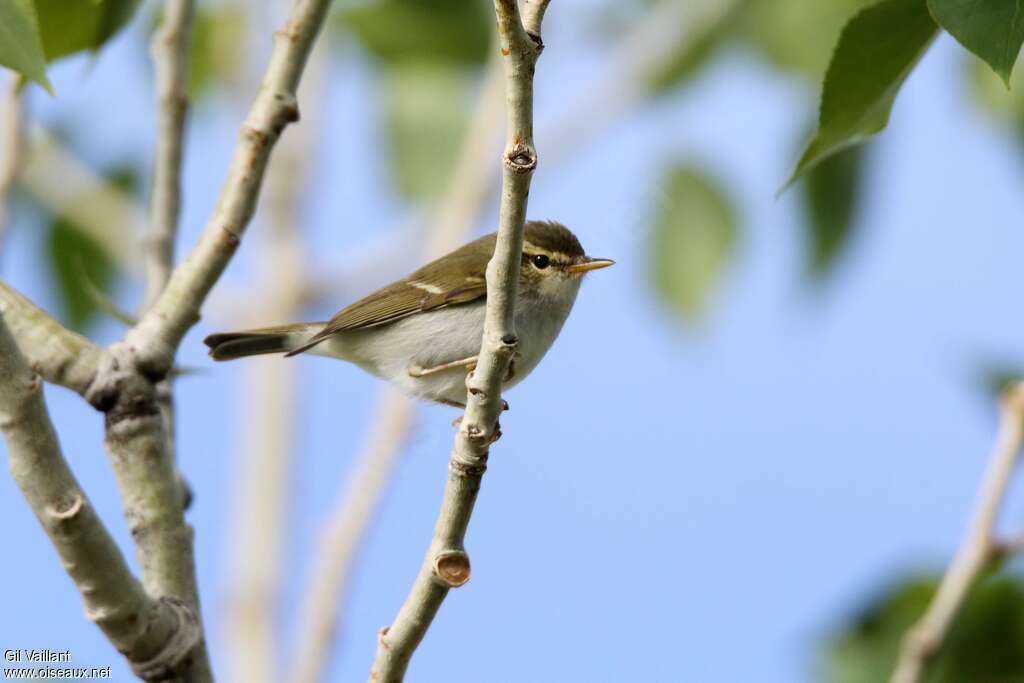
<point>540,261</point>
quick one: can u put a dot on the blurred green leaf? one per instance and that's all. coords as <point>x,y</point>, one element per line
<point>991,29</point>
<point>866,650</point>
<point>426,114</point>
<point>798,35</point>
<point>21,45</point>
<point>83,270</point>
<point>75,259</point>
<point>997,378</point>
<point>1006,106</point>
<point>688,61</point>
<point>985,644</point>
<point>423,30</point>
<point>694,237</point>
<point>215,57</point>
<point>70,26</point>
<point>831,194</point>
<point>877,50</point>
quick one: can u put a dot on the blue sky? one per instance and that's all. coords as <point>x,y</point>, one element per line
<point>706,502</point>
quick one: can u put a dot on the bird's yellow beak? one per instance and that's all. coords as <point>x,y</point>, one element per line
<point>589,264</point>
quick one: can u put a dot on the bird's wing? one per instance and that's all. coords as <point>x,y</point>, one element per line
<point>429,288</point>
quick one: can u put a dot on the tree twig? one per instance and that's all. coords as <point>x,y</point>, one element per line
<point>154,635</point>
<point>169,48</point>
<point>923,641</point>
<point>177,308</point>
<point>358,498</point>
<point>446,564</point>
<point>58,354</point>
<point>125,386</point>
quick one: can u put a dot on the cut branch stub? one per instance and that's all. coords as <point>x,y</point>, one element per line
<point>521,159</point>
<point>452,568</point>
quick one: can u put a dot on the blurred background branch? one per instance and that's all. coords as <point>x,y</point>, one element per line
<point>980,547</point>
<point>270,403</point>
<point>12,135</point>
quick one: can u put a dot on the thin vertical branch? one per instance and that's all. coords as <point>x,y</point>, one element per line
<point>12,142</point>
<point>170,57</point>
<point>979,548</point>
<point>446,564</point>
<point>359,496</point>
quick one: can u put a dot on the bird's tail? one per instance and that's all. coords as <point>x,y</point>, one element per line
<point>281,339</point>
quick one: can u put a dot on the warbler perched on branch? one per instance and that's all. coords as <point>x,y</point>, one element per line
<point>423,332</point>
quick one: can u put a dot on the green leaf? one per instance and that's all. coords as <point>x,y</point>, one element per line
<point>1005,106</point>
<point>877,50</point>
<point>694,236</point>
<point>21,47</point>
<point>70,26</point>
<point>83,270</point>
<point>426,115</point>
<point>423,30</point>
<point>997,377</point>
<point>984,645</point>
<point>770,26</point>
<point>75,261</point>
<point>831,197</point>
<point>215,58</point>
<point>991,29</point>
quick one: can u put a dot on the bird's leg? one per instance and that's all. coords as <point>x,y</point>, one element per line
<point>468,363</point>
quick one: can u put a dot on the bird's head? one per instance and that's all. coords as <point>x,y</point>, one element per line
<point>554,260</point>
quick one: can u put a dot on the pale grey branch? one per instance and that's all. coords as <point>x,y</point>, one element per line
<point>169,48</point>
<point>321,614</point>
<point>177,308</point>
<point>154,635</point>
<point>125,387</point>
<point>979,548</point>
<point>58,354</point>
<point>446,564</point>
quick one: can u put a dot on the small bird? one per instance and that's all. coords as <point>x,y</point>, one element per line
<point>423,332</point>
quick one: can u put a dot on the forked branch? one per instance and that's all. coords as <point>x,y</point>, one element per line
<point>153,634</point>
